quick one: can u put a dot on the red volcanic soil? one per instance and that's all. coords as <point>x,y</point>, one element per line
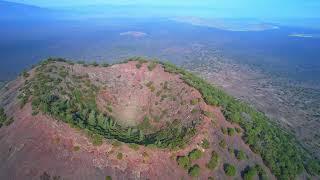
<point>33,145</point>
<point>135,93</point>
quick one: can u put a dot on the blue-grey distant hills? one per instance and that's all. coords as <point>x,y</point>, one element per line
<point>19,11</point>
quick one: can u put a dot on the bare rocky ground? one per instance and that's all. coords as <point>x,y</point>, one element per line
<point>36,145</point>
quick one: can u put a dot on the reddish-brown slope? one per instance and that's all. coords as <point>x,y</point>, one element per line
<point>33,145</point>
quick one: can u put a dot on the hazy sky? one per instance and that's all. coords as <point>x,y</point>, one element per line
<point>220,8</point>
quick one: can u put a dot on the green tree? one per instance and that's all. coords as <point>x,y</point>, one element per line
<point>223,144</point>
<point>69,118</point>
<point>194,171</point>
<point>313,167</point>
<point>101,120</point>
<point>240,155</point>
<point>231,131</point>
<point>141,136</point>
<point>205,144</point>
<point>260,171</point>
<point>119,156</point>
<point>3,116</point>
<point>249,173</point>
<point>92,121</point>
<point>129,131</point>
<point>214,161</point>
<point>184,162</point>
<point>230,170</point>
<point>195,154</point>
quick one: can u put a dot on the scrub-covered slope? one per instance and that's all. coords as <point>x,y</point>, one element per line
<point>136,120</point>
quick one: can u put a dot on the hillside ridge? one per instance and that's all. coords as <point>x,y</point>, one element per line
<point>143,111</point>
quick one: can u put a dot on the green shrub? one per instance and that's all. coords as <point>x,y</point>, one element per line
<point>96,140</point>
<point>249,173</point>
<point>313,167</point>
<point>224,130</point>
<point>116,143</point>
<point>214,161</point>
<point>184,162</point>
<point>119,156</point>
<point>25,74</point>
<point>240,155</point>
<point>145,154</point>
<point>231,131</point>
<point>194,111</point>
<point>230,170</point>
<point>109,108</point>
<point>262,174</point>
<point>223,144</point>
<point>134,146</point>
<point>76,148</point>
<point>8,121</point>
<point>194,101</point>
<point>94,64</point>
<point>152,65</point>
<point>105,64</point>
<point>3,116</point>
<point>205,144</point>
<point>149,84</point>
<point>108,178</point>
<point>138,65</point>
<point>194,171</point>
<point>208,114</point>
<point>231,151</point>
<point>145,124</point>
<point>195,154</point>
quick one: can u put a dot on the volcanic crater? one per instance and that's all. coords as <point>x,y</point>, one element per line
<point>135,95</point>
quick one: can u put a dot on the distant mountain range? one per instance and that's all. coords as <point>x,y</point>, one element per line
<point>228,24</point>
<point>19,11</point>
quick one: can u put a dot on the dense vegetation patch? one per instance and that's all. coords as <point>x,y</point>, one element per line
<point>56,91</point>
<point>279,150</point>
<point>185,162</point>
<point>230,170</point>
<point>214,161</point>
<point>240,155</point>
<point>205,144</point>
<point>194,171</point>
<point>249,173</point>
<point>4,120</point>
<point>195,154</point>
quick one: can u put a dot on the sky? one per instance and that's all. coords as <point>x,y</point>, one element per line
<point>215,8</point>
